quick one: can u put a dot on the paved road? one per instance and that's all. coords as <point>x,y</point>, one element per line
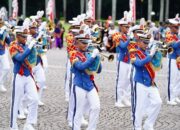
<point>52,116</point>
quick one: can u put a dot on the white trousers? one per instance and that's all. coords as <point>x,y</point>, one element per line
<point>24,85</point>
<point>68,79</point>
<point>23,105</point>
<point>81,98</point>
<point>4,67</point>
<point>123,84</point>
<point>45,62</point>
<point>143,94</point>
<point>72,103</point>
<point>173,80</point>
<point>40,78</point>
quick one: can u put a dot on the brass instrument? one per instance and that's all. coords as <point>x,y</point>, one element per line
<point>8,27</point>
<point>50,27</point>
<point>109,57</point>
<point>38,40</point>
<point>164,47</point>
<point>102,56</point>
<point>96,34</point>
<point>169,50</point>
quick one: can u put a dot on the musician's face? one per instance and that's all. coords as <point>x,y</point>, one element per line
<point>124,29</point>
<point>32,31</point>
<point>142,45</point>
<point>81,46</point>
<point>21,39</point>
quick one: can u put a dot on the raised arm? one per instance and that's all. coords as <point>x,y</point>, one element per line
<point>83,65</point>
<point>141,62</point>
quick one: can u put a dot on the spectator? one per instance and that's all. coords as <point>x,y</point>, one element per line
<point>58,35</point>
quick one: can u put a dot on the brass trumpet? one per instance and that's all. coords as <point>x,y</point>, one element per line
<point>109,57</point>
<point>50,27</point>
<point>169,50</point>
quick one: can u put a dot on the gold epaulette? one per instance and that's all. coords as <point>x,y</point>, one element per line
<point>132,50</point>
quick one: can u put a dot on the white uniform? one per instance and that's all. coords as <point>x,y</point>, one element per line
<point>123,85</point>
<point>23,84</point>
<point>68,80</point>
<point>71,101</point>
<point>4,67</point>
<point>81,97</point>
<point>173,80</point>
<point>141,96</point>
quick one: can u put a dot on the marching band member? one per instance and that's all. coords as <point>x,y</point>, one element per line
<point>124,68</point>
<point>173,65</point>
<point>74,30</point>
<point>23,81</point>
<point>71,48</point>
<point>84,88</point>
<point>38,70</point>
<point>23,104</point>
<point>42,63</point>
<point>4,62</point>
<point>145,89</point>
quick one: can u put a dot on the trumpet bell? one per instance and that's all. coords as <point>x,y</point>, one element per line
<point>170,50</point>
<point>111,58</point>
<point>40,40</point>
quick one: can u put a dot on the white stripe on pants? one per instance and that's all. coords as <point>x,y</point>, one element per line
<point>145,94</point>
<point>173,80</point>
<point>80,101</point>
<point>123,85</point>
<point>21,85</point>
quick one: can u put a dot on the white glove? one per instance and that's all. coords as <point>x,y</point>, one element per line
<point>2,29</point>
<point>31,44</point>
<point>29,38</point>
<point>95,53</point>
<point>152,52</point>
